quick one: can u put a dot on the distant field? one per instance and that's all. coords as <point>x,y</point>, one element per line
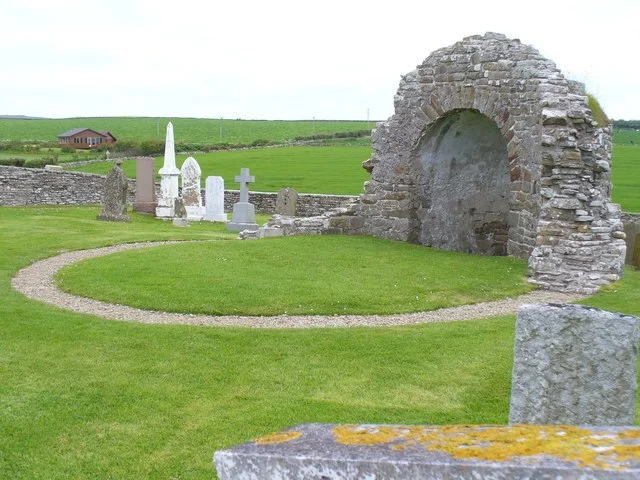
<point>626,137</point>
<point>335,170</point>
<point>198,130</point>
<point>626,177</point>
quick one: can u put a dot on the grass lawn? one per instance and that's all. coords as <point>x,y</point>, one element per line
<point>335,169</point>
<point>625,176</point>
<point>303,275</point>
<point>82,397</point>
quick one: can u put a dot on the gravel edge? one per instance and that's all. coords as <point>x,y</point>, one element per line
<point>37,281</point>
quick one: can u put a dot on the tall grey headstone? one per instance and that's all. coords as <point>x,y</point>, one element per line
<point>146,201</point>
<point>191,194</point>
<point>574,365</point>
<point>244,214</point>
<point>287,202</point>
<point>168,178</point>
<point>114,204</point>
<point>214,200</point>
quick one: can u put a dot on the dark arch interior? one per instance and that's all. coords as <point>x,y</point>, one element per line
<point>462,185</point>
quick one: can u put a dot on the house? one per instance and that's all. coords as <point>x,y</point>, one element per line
<point>85,138</point>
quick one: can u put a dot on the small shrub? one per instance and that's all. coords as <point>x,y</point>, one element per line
<point>67,150</point>
<point>260,142</point>
<point>12,162</point>
<point>36,163</point>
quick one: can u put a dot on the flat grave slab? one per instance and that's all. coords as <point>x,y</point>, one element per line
<point>375,452</point>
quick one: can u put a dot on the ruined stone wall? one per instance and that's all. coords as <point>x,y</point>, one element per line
<point>552,169</point>
<point>35,186</point>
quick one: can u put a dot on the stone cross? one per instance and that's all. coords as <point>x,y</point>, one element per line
<point>244,213</point>
<point>244,179</point>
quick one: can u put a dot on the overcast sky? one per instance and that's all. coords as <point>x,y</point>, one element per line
<point>281,59</point>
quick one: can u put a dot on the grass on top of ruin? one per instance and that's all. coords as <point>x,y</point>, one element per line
<point>301,275</point>
<point>84,397</point>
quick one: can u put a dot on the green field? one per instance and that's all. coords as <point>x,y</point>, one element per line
<point>186,130</point>
<point>626,137</point>
<point>82,397</point>
<point>625,176</point>
<point>334,170</point>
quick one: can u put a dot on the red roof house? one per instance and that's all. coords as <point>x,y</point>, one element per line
<point>85,138</point>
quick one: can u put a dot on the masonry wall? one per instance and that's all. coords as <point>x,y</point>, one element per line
<point>35,186</point>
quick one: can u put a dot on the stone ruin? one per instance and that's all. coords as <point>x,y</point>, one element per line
<point>492,151</point>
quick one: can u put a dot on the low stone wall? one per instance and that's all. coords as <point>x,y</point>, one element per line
<point>309,204</point>
<point>36,186</point>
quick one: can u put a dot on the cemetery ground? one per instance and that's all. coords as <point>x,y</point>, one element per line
<point>83,397</point>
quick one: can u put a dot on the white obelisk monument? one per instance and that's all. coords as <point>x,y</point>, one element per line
<point>168,178</point>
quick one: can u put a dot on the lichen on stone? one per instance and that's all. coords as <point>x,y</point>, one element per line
<point>582,446</point>
<point>278,437</point>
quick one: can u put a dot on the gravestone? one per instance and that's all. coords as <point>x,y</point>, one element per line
<point>244,214</point>
<point>411,452</point>
<point>191,196</point>
<point>114,204</point>
<point>574,365</point>
<point>180,213</point>
<point>168,178</point>
<point>214,200</point>
<point>146,201</point>
<point>287,202</point>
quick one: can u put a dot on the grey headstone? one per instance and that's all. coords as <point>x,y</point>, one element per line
<point>180,213</point>
<point>412,452</point>
<point>146,201</point>
<point>244,213</point>
<point>114,204</point>
<point>286,202</point>
<point>574,365</point>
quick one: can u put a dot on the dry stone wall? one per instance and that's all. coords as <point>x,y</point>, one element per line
<point>491,150</point>
<point>34,186</point>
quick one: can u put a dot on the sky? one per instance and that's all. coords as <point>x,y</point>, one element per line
<point>282,59</point>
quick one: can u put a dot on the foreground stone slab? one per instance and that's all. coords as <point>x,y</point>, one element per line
<point>395,452</point>
<point>574,365</point>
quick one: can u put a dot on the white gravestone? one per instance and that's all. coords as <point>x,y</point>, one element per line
<point>191,195</point>
<point>168,178</point>
<point>244,213</point>
<point>214,200</point>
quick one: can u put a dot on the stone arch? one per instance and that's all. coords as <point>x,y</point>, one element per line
<point>462,185</point>
<point>557,180</point>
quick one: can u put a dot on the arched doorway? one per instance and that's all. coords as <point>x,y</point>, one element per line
<point>462,185</point>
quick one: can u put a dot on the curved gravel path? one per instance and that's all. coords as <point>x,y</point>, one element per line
<point>37,282</point>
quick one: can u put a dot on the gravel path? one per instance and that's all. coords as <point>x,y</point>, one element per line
<point>37,282</point>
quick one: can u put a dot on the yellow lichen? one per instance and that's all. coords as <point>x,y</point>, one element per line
<point>278,437</point>
<point>498,443</point>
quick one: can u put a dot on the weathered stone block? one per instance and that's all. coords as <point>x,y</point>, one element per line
<point>574,365</point>
<point>403,452</point>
